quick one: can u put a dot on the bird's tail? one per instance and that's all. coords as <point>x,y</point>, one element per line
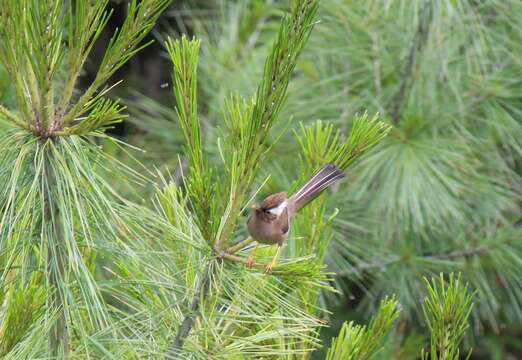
<point>320,181</point>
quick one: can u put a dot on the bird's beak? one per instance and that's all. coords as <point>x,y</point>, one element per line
<point>254,207</point>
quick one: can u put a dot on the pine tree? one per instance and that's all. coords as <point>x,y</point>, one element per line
<point>222,309</point>
<point>446,310</point>
<point>88,273</point>
<point>442,192</point>
<point>58,213</point>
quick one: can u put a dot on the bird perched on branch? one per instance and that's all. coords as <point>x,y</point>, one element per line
<point>270,221</point>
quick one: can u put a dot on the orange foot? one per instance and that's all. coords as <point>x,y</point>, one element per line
<point>269,267</point>
<point>250,262</point>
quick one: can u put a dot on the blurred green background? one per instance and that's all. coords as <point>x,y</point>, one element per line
<point>442,193</point>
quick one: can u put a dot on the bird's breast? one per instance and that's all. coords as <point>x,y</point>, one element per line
<point>266,232</point>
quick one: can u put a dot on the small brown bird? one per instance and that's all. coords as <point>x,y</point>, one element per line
<point>270,221</point>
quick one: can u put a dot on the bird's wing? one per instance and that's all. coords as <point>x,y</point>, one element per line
<point>278,209</point>
<point>273,201</point>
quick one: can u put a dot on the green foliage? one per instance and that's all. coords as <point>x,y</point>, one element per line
<point>25,307</point>
<point>141,17</point>
<point>441,193</point>
<point>224,315</point>
<point>446,309</point>
<point>320,143</point>
<point>35,48</point>
<point>356,342</point>
<point>98,276</point>
<point>58,213</point>
<point>184,56</point>
<point>103,115</point>
<point>247,123</point>
<point>250,123</point>
<point>441,185</point>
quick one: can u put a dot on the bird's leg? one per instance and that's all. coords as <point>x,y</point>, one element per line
<point>271,265</point>
<point>250,258</point>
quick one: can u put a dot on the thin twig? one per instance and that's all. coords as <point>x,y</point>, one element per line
<point>242,260</point>
<point>188,321</point>
<point>240,245</point>
<point>59,340</point>
<point>370,265</point>
<point>463,253</point>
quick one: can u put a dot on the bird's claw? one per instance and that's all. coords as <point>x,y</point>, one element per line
<point>269,267</point>
<point>250,262</point>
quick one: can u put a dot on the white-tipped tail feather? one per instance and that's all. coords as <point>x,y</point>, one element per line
<point>328,175</point>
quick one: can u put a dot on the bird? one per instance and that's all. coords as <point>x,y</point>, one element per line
<point>269,222</point>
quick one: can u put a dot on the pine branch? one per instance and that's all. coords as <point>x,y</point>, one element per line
<point>188,321</point>
<point>56,264</point>
<point>57,213</point>
<point>446,309</point>
<point>250,123</point>
<point>428,185</point>
<point>103,116</point>
<point>10,56</point>
<point>356,342</point>
<point>419,41</point>
<point>200,187</point>
<point>231,303</point>
<point>23,304</point>
<point>87,19</point>
<point>320,143</point>
<point>141,17</point>
<point>11,117</point>
<point>242,260</point>
<point>464,253</point>
<point>454,254</point>
<point>240,245</point>
<point>31,50</point>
